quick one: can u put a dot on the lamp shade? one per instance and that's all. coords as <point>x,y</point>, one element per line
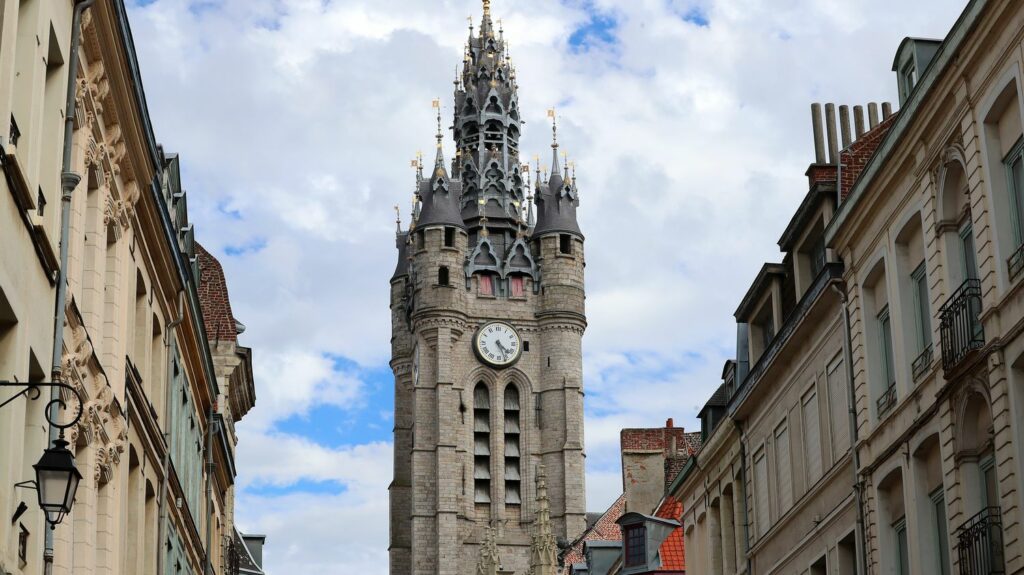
<point>57,479</point>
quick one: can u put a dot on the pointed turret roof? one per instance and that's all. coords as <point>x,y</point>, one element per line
<point>439,193</point>
<point>557,200</point>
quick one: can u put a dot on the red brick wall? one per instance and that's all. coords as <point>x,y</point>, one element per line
<point>856,157</point>
<point>213,298</point>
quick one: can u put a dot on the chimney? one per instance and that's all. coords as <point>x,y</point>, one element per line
<point>651,458</point>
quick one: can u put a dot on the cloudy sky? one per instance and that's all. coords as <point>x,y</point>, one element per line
<point>296,120</point>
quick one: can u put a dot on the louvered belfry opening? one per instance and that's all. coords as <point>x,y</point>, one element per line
<point>513,480</point>
<point>481,444</point>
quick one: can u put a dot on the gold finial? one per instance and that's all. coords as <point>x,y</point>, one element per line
<point>437,106</point>
<point>554,127</point>
<point>487,9</point>
<point>398,218</point>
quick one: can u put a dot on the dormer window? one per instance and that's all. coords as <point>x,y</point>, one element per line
<point>486,284</point>
<point>909,74</point>
<point>516,286</point>
<point>635,538</point>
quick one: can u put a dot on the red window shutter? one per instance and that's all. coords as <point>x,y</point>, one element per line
<point>486,285</point>
<point>517,286</point>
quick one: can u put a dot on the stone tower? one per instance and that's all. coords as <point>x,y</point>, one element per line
<point>487,311</point>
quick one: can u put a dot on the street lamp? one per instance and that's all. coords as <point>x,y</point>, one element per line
<point>57,477</point>
<point>57,481</point>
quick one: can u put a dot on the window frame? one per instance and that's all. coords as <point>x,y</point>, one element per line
<point>938,499</point>
<point>1016,192</point>
<point>887,353</point>
<point>902,546</point>
<point>922,306</point>
<point>634,540</point>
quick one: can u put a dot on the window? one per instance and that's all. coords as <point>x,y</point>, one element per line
<point>902,547</point>
<point>442,275</point>
<point>887,361</point>
<point>516,284</point>
<point>909,79</point>
<point>420,241</point>
<point>968,261</point>
<point>921,305</point>
<point>761,493</point>
<point>481,444</point>
<point>812,437</point>
<point>449,237</point>
<point>938,498</point>
<point>486,285</point>
<point>839,407</point>
<point>565,243</point>
<point>1015,175</point>
<point>990,493</point>
<point>513,493</point>
<point>783,468</point>
<point>818,256</point>
<point>767,334</point>
<point>636,545</point>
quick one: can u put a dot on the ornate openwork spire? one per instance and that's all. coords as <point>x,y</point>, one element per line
<point>544,547</point>
<point>490,560</point>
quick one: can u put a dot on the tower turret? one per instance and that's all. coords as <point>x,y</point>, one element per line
<point>558,199</point>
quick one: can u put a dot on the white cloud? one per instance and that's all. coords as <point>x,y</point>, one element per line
<point>691,143</point>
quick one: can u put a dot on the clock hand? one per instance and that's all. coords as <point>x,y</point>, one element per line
<point>502,348</point>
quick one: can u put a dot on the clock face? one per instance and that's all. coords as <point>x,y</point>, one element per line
<point>497,344</point>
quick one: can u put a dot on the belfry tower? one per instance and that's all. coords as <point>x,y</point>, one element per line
<point>487,311</point>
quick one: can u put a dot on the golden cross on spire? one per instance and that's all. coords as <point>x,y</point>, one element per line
<point>554,127</point>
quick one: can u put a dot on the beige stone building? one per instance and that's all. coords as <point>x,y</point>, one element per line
<point>161,387</point>
<point>488,317</point>
<point>915,315</point>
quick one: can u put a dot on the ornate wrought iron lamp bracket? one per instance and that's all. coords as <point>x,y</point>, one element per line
<point>33,391</point>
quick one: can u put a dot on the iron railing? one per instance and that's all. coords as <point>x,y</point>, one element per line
<point>960,324</point>
<point>887,401</point>
<point>1015,263</point>
<point>922,363</point>
<point>980,544</point>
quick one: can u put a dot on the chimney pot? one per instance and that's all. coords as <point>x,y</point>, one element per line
<point>669,423</point>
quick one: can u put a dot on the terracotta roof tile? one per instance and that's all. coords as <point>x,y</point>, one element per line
<point>673,555</point>
<point>605,529</point>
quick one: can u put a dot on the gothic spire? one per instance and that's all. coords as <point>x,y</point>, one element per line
<point>439,193</point>
<point>557,200</point>
<point>544,547</point>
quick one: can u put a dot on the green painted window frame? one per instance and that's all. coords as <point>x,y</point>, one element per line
<point>922,307</point>
<point>938,498</point>
<point>1016,189</point>
<point>902,546</point>
<point>887,353</point>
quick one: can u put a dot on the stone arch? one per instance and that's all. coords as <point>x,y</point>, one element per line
<point>974,421</point>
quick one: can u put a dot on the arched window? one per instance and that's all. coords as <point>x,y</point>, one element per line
<point>513,477</point>
<point>481,444</point>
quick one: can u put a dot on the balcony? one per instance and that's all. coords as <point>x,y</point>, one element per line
<point>1015,263</point>
<point>960,325</point>
<point>980,544</point>
<point>922,363</point>
<point>887,401</point>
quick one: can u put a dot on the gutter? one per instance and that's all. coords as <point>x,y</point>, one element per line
<point>858,486</point>
<point>743,488</point>
<point>69,181</point>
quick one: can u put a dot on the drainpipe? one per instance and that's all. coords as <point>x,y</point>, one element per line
<point>171,347</point>
<point>210,466</point>
<point>858,487</point>
<point>69,181</point>
<point>743,486</point>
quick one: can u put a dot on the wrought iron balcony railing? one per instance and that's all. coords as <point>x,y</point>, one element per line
<point>980,544</point>
<point>887,401</point>
<point>1015,263</point>
<point>960,324</point>
<point>922,363</point>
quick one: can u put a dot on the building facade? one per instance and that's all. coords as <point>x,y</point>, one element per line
<point>155,441</point>
<point>871,423</point>
<point>488,317</point>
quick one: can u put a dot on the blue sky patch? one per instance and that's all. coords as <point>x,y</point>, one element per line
<point>252,246</point>
<point>302,486</point>
<point>224,208</point>
<point>598,30</point>
<point>697,16</point>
